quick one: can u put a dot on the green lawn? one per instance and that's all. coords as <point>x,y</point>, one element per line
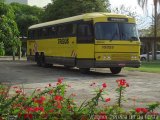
<point>152,66</point>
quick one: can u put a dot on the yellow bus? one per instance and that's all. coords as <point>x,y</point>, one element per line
<point>92,40</point>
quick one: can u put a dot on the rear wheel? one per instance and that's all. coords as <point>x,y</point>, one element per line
<point>38,59</point>
<point>48,65</point>
<point>84,70</point>
<point>115,70</point>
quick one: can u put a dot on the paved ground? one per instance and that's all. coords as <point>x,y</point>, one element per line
<point>144,87</point>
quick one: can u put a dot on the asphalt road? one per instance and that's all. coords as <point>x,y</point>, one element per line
<point>144,88</point>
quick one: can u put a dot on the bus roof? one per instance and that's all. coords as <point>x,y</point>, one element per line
<point>86,16</point>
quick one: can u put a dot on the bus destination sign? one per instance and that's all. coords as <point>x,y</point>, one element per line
<point>117,19</point>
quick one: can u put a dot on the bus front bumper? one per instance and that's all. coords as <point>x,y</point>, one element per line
<point>108,64</point>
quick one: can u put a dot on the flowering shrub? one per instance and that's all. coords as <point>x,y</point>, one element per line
<point>52,103</point>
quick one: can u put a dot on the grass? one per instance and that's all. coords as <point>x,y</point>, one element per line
<point>152,66</point>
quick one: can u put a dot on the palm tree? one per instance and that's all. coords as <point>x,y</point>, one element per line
<point>143,4</point>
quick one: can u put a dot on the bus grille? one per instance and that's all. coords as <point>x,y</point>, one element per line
<point>117,57</point>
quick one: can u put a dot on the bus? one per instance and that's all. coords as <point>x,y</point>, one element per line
<point>91,40</point>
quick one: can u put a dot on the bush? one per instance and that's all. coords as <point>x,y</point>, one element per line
<point>52,103</point>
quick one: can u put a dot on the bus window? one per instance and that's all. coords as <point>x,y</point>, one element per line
<point>52,32</point>
<point>61,31</point>
<point>85,33</point>
<point>69,30</point>
<point>39,33</point>
<point>107,31</point>
<point>35,34</point>
<point>31,34</point>
<point>44,33</point>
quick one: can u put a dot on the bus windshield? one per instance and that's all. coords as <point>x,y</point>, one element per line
<point>116,31</point>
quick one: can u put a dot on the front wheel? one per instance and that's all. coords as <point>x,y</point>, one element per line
<point>115,70</point>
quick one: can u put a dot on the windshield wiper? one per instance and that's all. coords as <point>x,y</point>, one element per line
<point>115,34</point>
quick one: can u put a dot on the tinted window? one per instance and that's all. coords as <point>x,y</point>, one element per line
<point>85,33</point>
<point>107,31</point>
<point>66,30</point>
<point>128,31</point>
<point>116,31</point>
<point>31,34</point>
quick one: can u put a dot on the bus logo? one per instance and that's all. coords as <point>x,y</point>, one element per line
<point>108,47</point>
<point>63,41</point>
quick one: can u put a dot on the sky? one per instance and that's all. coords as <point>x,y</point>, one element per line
<point>145,18</point>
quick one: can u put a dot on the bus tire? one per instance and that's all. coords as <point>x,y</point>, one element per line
<point>38,59</point>
<point>84,70</point>
<point>68,67</point>
<point>115,70</point>
<point>48,65</point>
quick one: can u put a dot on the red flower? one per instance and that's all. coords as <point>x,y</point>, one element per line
<point>60,80</point>
<point>58,98</point>
<point>101,116</point>
<point>18,91</point>
<point>122,83</point>
<point>138,110</point>
<point>143,110</point>
<point>108,99</point>
<point>29,116</point>
<point>104,85</point>
<point>40,100</point>
<point>49,85</point>
<point>30,109</point>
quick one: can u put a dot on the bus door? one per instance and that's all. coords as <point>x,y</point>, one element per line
<point>85,45</point>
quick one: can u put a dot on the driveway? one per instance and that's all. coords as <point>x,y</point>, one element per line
<point>144,88</point>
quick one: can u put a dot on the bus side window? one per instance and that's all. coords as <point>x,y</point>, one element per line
<point>85,33</point>
<point>52,31</point>
<point>44,33</point>
<point>70,29</point>
<point>31,34</point>
<point>35,34</point>
<point>60,31</point>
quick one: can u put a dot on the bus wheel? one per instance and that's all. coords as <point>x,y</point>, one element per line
<point>68,67</point>
<point>38,59</point>
<point>115,70</point>
<point>47,65</point>
<point>84,70</point>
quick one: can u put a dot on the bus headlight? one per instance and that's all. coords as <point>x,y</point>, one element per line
<point>134,57</point>
<point>106,57</point>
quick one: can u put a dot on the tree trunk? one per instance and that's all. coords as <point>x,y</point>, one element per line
<point>13,55</point>
<point>155,32</point>
<point>19,57</point>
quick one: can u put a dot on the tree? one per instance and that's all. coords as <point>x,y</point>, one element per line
<point>67,8</point>
<point>9,34</point>
<point>143,4</point>
<point>26,16</point>
<point>126,11</point>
